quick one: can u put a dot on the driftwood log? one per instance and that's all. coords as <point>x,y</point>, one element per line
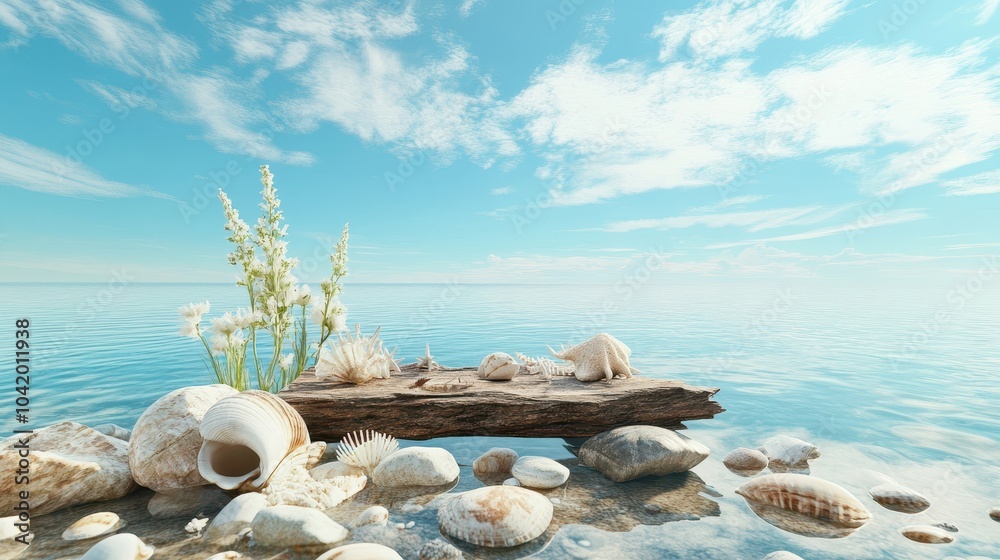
<point>419,405</point>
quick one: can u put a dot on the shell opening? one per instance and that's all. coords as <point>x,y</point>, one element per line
<point>232,463</point>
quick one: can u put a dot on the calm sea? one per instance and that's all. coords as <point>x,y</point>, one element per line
<point>898,384</point>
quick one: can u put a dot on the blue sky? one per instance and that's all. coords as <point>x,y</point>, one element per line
<point>515,141</point>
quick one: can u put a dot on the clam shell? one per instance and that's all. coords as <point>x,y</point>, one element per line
<point>361,551</point>
<point>375,515</point>
<point>809,496</point>
<point>745,461</point>
<point>899,498</point>
<point>93,525</point>
<point>539,472</point>
<point>123,546</point>
<point>927,534</point>
<point>438,549</point>
<point>498,460</point>
<point>498,367</point>
<point>246,437</point>
<point>496,516</point>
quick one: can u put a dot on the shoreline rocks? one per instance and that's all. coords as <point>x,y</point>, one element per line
<point>284,526</point>
<point>631,452</point>
<point>416,466</point>
<point>745,462</point>
<point>539,472</point>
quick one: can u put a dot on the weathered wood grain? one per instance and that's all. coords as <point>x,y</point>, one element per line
<point>527,406</point>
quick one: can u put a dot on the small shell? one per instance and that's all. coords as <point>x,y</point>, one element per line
<point>375,515</point>
<point>601,357</point>
<point>744,461</point>
<point>361,551</point>
<point>899,498</point>
<point>438,549</point>
<point>927,534</point>
<point>782,555</point>
<point>355,359</point>
<point>93,525</point>
<point>539,472</point>
<point>498,460</point>
<point>366,449</point>
<point>496,516</point>
<point>789,451</point>
<point>498,367</point>
<point>995,514</point>
<point>123,546</point>
<point>247,436</point>
<point>228,555</point>
<point>809,496</point>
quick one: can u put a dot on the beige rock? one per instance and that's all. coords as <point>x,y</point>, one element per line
<point>114,430</point>
<point>284,526</point>
<point>539,472</point>
<point>416,466</point>
<point>631,452</point>
<point>80,465</point>
<point>124,546</point>
<point>236,516</point>
<point>497,460</point>
<point>163,450</point>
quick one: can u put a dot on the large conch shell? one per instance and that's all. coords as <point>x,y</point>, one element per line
<point>601,357</point>
<point>248,436</point>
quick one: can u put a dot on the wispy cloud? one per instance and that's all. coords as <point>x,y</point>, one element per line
<point>25,166</point>
<point>753,221</point>
<point>887,218</point>
<point>981,183</point>
<point>737,201</point>
<point>501,191</point>
<point>465,10</point>
<point>987,8</point>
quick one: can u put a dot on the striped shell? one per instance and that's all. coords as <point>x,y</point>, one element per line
<point>496,516</point>
<point>124,546</point>
<point>498,367</point>
<point>809,496</point>
<point>928,534</point>
<point>246,438</point>
<point>93,525</point>
<point>899,498</point>
<point>361,551</point>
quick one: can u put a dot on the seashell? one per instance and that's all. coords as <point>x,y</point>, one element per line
<point>601,357</point>
<point>745,461</point>
<point>355,359</point>
<point>163,450</point>
<point>545,366</point>
<point>946,526</point>
<point>787,452</point>
<point>539,472</point>
<point>93,525</point>
<point>782,555</point>
<point>298,488</point>
<point>899,498</point>
<point>366,450</point>
<point>285,526</point>
<point>228,555</point>
<point>247,436</point>
<point>237,515</point>
<point>361,551</point>
<point>631,452</point>
<point>807,495</point>
<point>438,549</point>
<point>375,515</point>
<point>495,516</point>
<point>927,534</point>
<point>114,430</point>
<point>498,367</point>
<point>416,466</point>
<point>196,525</point>
<point>497,460</point>
<point>995,513</point>
<point>123,546</point>
<point>427,361</point>
<point>512,482</point>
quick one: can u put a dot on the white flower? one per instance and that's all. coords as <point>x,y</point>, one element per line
<point>219,344</point>
<point>338,322</point>
<point>286,361</point>
<point>189,328</point>
<point>300,295</point>
<point>194,311</point>
<point>245,319</point>
<point>225,325</point>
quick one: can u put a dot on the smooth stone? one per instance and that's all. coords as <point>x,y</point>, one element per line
<point>782,555</point>
<point>114,430</point>
<point>439,549</point>
<point>283,526</point>
<point>7,528</point>
<point>632,452</point>
<point>498,367</point>
<point>927,534</point>
<point>899,498</point>
<point>361,551</point>
<point>539,472</point>
<point>163,450</point>
<point>745,461</point>
<point>123,546</point>
<point>80,466</point>
<point>512,482</point>
<point>375,515</point>
<point>497,460</point>
<point>93,525</point>
<point>995,513</point>
<point>788,450</point>
<point>416,466</point>
<point>236,516</point>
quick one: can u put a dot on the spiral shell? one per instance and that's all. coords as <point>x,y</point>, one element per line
<point>496,516</point>
<point>809,496</point>
<point>246,438</point>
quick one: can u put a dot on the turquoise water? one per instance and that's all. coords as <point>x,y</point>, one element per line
<point>888,382</point>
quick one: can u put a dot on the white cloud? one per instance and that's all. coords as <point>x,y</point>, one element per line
<point>890,217</point>
<point>501,191</point>
<point>465,10</point>
<point>986,10</point>
<point>29,167</point>
<point>742,200</point>
<point>753,221</point>
<point>982,183</point>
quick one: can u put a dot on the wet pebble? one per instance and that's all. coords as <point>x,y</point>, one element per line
<point>995,513</point>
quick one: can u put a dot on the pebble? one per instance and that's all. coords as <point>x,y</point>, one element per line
<point>555,501</point>
<point>410,524</point>
<point>583,543</point>
<point>995,513</point>
<point>400,526</point>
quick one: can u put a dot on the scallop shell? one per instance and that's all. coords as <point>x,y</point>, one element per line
<point>498,367</point>
<point>496,516</point>
<point>744,461</point>
<point>899,498</point>
<point>497,460</point>
<point>123,546</point>
<point>375,515</point>
<point>601,357</point>
<point>246,437</point>
<point>93,525</point>
<point>361,551</point>
<point>366,449</point>
<point>438,549</point>
<point>927,534</point>
<point>809,496</point>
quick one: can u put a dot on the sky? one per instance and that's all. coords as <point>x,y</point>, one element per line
<point>520,141</point>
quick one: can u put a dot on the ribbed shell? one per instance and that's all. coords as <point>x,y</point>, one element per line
<point>496,516</point>
<point>257,421</point>
<point>124,546</point>
<point>899,498</point>
<point>807,495</point>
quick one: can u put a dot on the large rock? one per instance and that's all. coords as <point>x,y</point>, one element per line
<point>71,464</point>
<point>236,516</point>
<point>416,466</point>
<point>634,451</point>
<point>163,450</point>
<point>285,526</point>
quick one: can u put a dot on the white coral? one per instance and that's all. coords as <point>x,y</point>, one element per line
<point>356,359</point>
